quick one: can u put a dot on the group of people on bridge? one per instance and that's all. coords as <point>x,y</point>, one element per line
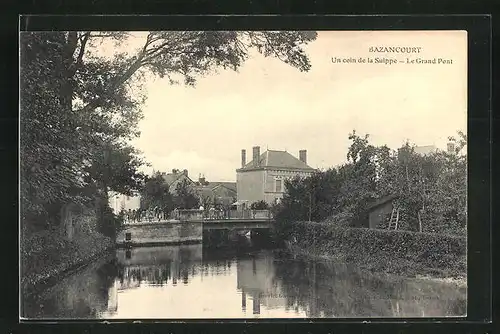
<point>213,212</point>
<point>138,215</point>
<point>216,212</point>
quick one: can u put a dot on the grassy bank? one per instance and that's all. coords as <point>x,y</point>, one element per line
<point>46,255</point>
<point>396,252</point>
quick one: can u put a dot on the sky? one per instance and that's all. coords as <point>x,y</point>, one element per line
<point>272,105</point>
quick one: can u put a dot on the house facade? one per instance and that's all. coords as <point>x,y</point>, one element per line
<point>119,202</point>
<point>264,177</point>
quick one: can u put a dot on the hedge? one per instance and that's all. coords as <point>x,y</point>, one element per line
<point>404,252</point>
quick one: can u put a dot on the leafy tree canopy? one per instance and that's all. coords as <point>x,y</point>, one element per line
<point>431,189</point>
<point>155,193</point>
<point>79,108</point>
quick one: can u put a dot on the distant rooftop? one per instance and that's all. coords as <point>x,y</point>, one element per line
<point>277,159</point>
<point>212,185</point>
<point>172,177</point>
<point>425,149</point>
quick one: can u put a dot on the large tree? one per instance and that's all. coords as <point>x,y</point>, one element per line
<point>51,164</point>
<point>155,193</point>
<point>185,196</point>
<point>77,103</point>
<point>99,82</point>
<point>358,178</point>
<point>311,198</point>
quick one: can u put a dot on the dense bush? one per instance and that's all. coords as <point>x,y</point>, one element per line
<point>341,219</point>
<point>383,249</point>
<point>260,205</point>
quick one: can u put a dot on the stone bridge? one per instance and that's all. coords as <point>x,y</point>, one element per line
<point>187,226</point>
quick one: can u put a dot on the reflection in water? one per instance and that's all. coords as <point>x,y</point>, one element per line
<point>236,282</point>
<point>82,295</point>
<point>324,289</point>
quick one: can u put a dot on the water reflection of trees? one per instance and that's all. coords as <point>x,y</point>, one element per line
<point>328,290</point>
<point>80,296</point>
<point>318,289</point>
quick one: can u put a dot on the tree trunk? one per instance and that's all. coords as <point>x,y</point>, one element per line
<point>419,222</point>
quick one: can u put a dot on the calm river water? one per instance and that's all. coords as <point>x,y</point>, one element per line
<point>243,281</point>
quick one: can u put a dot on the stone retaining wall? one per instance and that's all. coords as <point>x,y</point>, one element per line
<point>160,233</point>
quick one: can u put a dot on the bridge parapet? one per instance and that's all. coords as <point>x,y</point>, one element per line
<point>190,215</point>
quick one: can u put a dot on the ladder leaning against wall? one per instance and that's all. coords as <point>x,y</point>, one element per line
<point>394,220</point>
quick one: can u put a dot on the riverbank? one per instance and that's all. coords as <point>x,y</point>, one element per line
<point>47,256</point>
<point>414,255</point>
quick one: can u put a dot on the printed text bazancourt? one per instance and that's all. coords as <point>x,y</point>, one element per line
<point>395,49</point>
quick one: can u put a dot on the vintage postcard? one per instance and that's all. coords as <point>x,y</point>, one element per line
<point>243,174</point>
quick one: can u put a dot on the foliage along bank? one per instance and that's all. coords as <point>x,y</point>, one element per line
<point>431,193</point>
<point>49,253</point>
<point>399,252</point>
<point>431,189</point>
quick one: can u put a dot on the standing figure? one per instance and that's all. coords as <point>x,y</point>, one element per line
<point>202,209</point>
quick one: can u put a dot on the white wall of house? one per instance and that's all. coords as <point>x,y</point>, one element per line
<point>274,187</point>
<point>267,185</point>
<point>119,202</point>
<point>250,186</point>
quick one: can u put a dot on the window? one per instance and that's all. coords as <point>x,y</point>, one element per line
<point>279,185</point>
<point>128,236</point>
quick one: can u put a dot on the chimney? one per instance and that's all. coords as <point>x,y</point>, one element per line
<point>451,147</point>
<point>243,158</point>
<point>303,156</point>
<point>185,172</point>
<point>256,155</point>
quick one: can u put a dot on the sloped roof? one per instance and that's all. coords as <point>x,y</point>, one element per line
<point>277,159</point>
<point>381,201</point>
<point>204,191</point>
<point>207,190</point>
<point>171,177</point>
<point>228,185</point>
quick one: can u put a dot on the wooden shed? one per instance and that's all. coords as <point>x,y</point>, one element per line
<point>380,210</point>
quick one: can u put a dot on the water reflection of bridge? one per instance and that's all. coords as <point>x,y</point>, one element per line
<point>171,265</point>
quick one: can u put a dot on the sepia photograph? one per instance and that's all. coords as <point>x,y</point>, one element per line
<point>243,174</point>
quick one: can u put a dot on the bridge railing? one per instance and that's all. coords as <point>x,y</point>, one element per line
<point>188,214</point>
<point>221,215</point>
